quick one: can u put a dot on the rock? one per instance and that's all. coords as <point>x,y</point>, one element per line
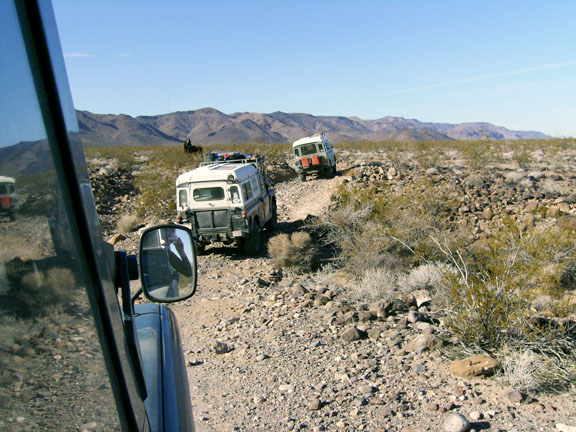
<point>455,422</point>
<point>366,389</point>
<point>515,397</point>
<point>286,388</point>
<point>387,412</point>
<point>381,308</point>
<point>116,238</point>
<point>220,347</point>
<point>475,415</point>
<point>414,316</point>
<point>374,333</point>
<point>315,404</point>
<point>487,214</point>
<point>424,340</point>
<point>297,290</point>
<point>422,297</point>
<point>321,300</point>
<point>366,316</point>
<point>475,366</point>
<point>565,428</point>
<point>352,334</point>
<point>531,206</point>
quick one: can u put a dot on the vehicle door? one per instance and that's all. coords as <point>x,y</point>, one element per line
<point>66,362</point>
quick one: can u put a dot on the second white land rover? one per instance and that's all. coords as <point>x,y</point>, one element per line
<point>227,201</point>
<point>314,154</point>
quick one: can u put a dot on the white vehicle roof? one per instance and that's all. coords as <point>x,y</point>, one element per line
<point>4,179</point>
<point>217,172</point>
<point>307,140</point>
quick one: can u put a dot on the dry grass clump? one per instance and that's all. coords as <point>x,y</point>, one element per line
<point>374,285</point>
<point>523,369</point>
<point>292,252</point>
<point>127,223</point>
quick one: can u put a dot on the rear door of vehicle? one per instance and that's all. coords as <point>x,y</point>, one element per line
<point>210,202</point>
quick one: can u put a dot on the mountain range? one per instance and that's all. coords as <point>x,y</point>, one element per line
<point>210,126</point>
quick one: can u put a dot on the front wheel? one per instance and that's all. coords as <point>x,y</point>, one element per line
<point>303,177</point>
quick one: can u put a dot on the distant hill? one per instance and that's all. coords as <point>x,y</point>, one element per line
<point>210,126</point>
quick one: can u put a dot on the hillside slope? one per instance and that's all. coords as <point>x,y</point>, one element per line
<point>210,126</point>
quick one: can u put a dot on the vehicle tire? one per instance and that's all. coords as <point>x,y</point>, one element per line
<point>303,177</point>
<point>334,171</point>
<point>200,248</point>
<point>253,242</point>
<point>12,216</point>
<point>271,224</point>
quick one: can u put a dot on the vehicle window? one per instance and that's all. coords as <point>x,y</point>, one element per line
<point>320,147</point>
<point>234,194</point>
<point>308,149</point>
<point>208,194</point>
<point>247,190</point>
<point>255,186</point>
<point>297,151</point>
<point>53,371</point>
<point>182,198</point>
<point>3,189</point>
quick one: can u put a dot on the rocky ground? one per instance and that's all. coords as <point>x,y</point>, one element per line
<point>267,351</point>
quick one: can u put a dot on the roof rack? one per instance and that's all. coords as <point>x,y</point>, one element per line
<point>231,158</point>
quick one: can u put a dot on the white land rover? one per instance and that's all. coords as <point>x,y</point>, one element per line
<point>314,154</point>
<point>227,201</point>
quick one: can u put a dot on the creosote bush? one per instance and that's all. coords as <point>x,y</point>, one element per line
<point>292,252</point>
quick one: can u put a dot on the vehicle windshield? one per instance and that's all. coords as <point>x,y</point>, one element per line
<point>208,194</point>
<point>3,189</point>
<point>308,149</point>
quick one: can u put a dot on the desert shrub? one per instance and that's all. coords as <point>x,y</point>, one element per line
<point>477,153</point>
<point>38,292</point>
<point>375,284</point>
<point>292,252</point>
<point>522,370</point>
<point>491,296</point>
<point>127,223</point>
<point>529,371</point>
<point>406,218</point>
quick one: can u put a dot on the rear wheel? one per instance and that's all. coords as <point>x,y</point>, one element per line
<point>253,242</point>
<point>334,171</point>
<point>200,248</point>
<point>271,224</point>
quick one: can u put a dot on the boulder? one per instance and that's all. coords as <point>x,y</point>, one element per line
<point>475,366</point>
<point>423,340</point>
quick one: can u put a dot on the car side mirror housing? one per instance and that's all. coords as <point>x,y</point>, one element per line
<point>167,261</point>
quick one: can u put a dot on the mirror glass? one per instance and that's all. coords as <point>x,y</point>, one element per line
<point>167,263</point>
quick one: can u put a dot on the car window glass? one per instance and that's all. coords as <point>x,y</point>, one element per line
<point>53,372</point>
<point>208,194</point>
<point>183,198</point>
<point>308,149</point>
<point>247,190</point>
<point>234,194</point>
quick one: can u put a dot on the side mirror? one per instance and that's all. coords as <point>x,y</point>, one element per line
<point>167,261</point>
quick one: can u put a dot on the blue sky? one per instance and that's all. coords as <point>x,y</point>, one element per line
<point>510,63</point>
